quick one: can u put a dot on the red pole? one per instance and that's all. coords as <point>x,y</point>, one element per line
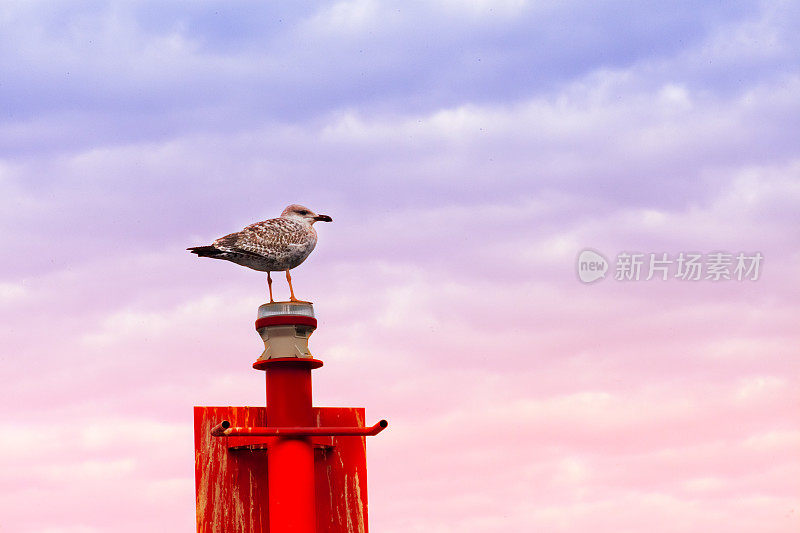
<point>290,460</point>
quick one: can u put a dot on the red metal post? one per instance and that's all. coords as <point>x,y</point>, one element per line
<point>296,485</point>
<point>290,460</point>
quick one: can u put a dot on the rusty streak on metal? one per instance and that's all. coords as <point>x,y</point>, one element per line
<point>231,474</point>
<point>224,429</point>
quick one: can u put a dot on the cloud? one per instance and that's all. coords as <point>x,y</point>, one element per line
<point>126,74</point>
<point>467,152</point>
<point>684,152</point>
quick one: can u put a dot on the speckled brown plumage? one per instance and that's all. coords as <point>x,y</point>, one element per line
<point>276,244</point>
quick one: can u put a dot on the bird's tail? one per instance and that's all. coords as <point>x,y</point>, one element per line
<point>205,251</point>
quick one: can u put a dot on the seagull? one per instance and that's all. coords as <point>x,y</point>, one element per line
<point>277,244</point>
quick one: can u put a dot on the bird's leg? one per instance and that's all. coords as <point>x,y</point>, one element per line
<point>291,291</point>
<point>269,284</point>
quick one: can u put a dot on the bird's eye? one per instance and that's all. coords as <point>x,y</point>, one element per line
<point>304,213</point>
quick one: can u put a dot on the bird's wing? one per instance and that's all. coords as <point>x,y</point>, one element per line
<point>263,239</point>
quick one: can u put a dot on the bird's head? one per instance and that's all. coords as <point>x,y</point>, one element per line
<point>300,212</point>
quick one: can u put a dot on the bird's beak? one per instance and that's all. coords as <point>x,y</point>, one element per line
<point>323,218</point>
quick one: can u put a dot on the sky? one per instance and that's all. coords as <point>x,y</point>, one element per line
<point>468,152</point>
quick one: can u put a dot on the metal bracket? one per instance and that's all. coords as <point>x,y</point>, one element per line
<point>224,429</point>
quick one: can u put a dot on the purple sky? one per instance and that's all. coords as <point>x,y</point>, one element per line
<point>467,153</point>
